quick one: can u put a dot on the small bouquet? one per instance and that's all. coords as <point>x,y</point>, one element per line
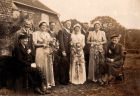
<point>54,45</point>
<point>97,46</point>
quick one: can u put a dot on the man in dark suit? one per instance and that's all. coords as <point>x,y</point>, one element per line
<point>64,52</point>
<point>26,66</point>
<point>86,52</point>
<point>114,57</point>
<point>52,31</point>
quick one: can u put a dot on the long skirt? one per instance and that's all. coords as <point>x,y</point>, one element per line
<point>77,69</point>
<point>97,65</point>
<point>44,61</point>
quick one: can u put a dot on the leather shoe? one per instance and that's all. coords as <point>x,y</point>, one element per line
<point>38,91</point>
<point>44,89</point>
<point>47,92</point>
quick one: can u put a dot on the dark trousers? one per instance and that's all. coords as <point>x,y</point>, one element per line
<point>33,77</point>
<point>114,68</point>
<point>2,78</point>
<point>86,63</point>
<point>56,60</point>
<point>64,66</point>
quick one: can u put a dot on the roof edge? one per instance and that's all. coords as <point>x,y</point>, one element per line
<point>35,7</point>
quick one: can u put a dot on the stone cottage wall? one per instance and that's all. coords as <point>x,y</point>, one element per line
<point>5,9</point>
<point>35,15</point>
<point>56,20</point>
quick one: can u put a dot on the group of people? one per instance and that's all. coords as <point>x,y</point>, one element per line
<point>45,58</point>
<point>105,57</point>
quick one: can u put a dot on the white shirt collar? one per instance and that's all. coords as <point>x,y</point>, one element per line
<point>67,30</point>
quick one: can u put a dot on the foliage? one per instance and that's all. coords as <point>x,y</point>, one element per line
<point>74,21</point>
<point>132,39</point>
<point>129,37</point>
<point>7,34</point>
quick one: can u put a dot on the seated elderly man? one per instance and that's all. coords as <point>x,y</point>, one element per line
<point>26,66</point>
<point>114,57</point>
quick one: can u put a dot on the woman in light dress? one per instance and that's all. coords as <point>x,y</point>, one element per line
<point>43,57</point>
<point>96,39</point>
<point>77,63</point>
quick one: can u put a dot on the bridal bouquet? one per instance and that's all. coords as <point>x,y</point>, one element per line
<point>76,48</point>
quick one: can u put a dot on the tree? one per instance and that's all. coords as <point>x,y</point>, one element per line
<point>132,39</point>
<point>84,25</point>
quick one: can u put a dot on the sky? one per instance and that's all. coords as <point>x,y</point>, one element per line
<point>126,12</point>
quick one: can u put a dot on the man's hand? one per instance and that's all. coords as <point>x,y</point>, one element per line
<point>33,65</point>
<point>110,60</point>
<point>64,53</point>
<point>110,51</point>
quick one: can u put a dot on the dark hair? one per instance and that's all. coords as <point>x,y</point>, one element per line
<point>96,24</point>
<point>67,21</point>
<point>51,23</point>
<point>23,36</point>
<point>42,24</point>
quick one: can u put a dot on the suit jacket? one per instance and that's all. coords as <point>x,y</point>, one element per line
<point>53,34</point>
<point>87,46</point>
<point>116,52</point>
<point>23,58</point>
<point>64,41</point>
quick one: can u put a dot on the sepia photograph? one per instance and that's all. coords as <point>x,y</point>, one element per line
<point>69,48</point>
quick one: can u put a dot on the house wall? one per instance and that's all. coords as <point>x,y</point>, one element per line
<point>35,15</point>
<point>5,10</point>
<point>56,20</point>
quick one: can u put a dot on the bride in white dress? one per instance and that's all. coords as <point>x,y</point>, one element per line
<point>77,63</point>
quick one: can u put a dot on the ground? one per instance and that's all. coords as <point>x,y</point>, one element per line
<point>130,86</point>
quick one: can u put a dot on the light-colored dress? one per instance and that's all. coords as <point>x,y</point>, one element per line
<point>96,55</point>
<point>43,56</point>
<point>77,63</point>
